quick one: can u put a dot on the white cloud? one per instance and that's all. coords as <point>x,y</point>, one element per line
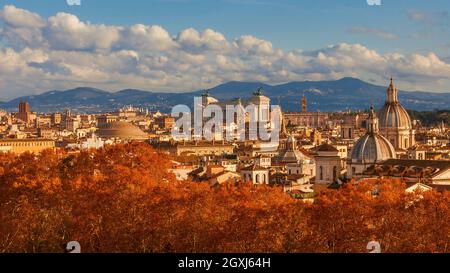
<point>18,18</point>
<point>147,38</point>
<point>21,27</point>
<point>191,40</point>
<point>66,32</point>
<point>41,54</point>
<point>253,45</point>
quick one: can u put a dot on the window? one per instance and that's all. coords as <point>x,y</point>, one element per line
<point>321,173</point>
<point>257,179</point>
<point>334,173</point>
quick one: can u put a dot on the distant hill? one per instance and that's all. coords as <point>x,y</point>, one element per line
<point>322,96</point>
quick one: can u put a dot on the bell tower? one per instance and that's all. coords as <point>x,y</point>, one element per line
<point>304,104</point>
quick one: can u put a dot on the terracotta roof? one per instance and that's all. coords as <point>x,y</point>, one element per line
<point>254,168</point>
<point>326,148</point>
<point>409,168</point>
<point>440,188</point>
<point>441,164</point>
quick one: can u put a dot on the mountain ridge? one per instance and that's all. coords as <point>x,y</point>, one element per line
<point>331,95</point>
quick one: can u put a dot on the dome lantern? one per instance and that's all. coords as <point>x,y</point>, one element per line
<point>392,93</point>
<point>372,122</point>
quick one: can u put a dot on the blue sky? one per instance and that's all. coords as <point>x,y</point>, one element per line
<point>405,27</point>
<point>289,24</point>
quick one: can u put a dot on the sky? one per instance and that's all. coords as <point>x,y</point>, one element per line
<point>184,45</point>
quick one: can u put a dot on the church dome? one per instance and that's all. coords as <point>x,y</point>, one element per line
<point>291,154</point>
<point>372,147</point>
<point>122,130</point>
<point>392,114</point>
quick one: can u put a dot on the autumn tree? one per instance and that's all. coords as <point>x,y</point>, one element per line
<point>123,199</point>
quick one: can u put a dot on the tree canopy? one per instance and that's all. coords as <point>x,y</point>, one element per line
<point>123,199</point>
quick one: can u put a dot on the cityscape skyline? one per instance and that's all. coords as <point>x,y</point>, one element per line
<point>166,46</point>
<point>197,127</point>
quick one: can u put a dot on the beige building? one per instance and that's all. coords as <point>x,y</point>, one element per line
<point>309,119</point>
<point>429,172</point>
<point>165,122</point>
<point>56,118</point>
<point>204,148</point>
<point>255,174</point>
<point>328,164</point>
<point>305,118</point>
<point>105,119</point>
<point>19,146</point>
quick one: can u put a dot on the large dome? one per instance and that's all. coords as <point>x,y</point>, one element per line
<point>372,147</point>
<point>392,114</point>
<point>121,129</point>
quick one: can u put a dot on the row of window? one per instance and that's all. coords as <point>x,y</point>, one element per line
<point>260,178</point>
<point>27,144</point>
<point>335,173</point>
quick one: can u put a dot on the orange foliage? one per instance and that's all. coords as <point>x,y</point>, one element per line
<point>123,199</point>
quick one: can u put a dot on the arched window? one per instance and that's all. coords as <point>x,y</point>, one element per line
<point>406,143</point>
<point>321,173</point>
<point>257,179</point>
<point>264,179</point>
<point>334,173</point>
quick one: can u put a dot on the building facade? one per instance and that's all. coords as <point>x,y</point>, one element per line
<point>305,118</point>
<point>328,164</point>
<point>18,146</point>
